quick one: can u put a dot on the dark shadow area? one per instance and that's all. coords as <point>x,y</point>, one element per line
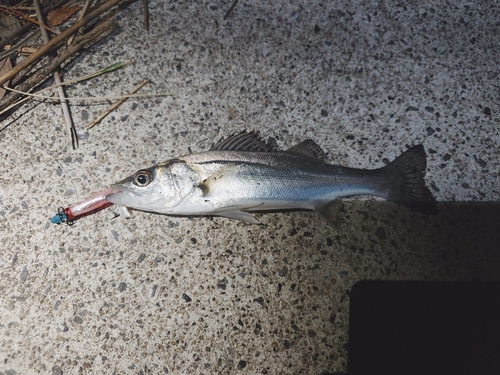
<point>460,243</point>
<point>476,223</point>
<point>419,327</point>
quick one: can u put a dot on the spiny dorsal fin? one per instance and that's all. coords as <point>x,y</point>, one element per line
<point>244,142</point>
<point>308,148</point>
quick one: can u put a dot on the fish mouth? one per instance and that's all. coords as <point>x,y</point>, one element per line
<point>115,189</point>
<point>119,195</point>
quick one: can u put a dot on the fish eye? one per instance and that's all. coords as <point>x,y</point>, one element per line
<point>143,178</point>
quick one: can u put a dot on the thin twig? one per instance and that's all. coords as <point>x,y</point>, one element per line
<point>230,9</point>
<point>68,120</point>
<point>59,39</point>
<point>102,98</point>
<point>82,13</point>
<point>48,6</point>
<point>145,9</point>
<point>22,8</point>
<point>25,17</point>
<point>116,105</point>
<point>99,32</point>
<point>19,33</point>
<point>5,64</point>
<point>110,23</point>
<point>122,96</point>
<point>72,81</point>
<point>19,45</point>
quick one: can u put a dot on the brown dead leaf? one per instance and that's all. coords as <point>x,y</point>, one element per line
<point>5,66</point>
<point>58,16</point>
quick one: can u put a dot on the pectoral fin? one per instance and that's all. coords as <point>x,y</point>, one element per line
<point>216,177</point>
<point>240,215</point>
<point>330,214</point>
<point>237,213</point>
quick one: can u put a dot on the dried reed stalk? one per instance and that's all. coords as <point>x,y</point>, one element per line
<point>58,40</point>
<point>68,120</point>
<point>92,37</point>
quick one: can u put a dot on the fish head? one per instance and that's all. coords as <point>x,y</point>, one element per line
<point>152,189</point>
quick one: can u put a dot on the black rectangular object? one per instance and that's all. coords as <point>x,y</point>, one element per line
<point>433,328</point>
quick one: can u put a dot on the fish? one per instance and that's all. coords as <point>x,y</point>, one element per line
<point>243,174</point>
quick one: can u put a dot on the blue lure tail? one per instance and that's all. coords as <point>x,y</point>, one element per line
<point>58,219</point>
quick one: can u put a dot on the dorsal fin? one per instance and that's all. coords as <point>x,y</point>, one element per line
<point>244,142</point>
<point>308,148</point>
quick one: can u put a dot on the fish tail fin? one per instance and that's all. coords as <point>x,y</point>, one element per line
<point>406,181</point>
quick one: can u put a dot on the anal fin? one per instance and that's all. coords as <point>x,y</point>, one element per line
<point>330,214</point>
<point>240,215</point>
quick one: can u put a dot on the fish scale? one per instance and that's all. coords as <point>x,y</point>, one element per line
<point>294,180</point>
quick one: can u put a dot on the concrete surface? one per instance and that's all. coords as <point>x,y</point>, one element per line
<point>155,294</point>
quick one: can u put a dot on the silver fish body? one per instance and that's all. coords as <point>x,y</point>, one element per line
<point>243,174</point>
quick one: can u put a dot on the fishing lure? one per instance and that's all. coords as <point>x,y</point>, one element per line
<point>81,209</point>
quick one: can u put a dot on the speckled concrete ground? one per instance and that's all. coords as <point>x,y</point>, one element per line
<point>153,294</point>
